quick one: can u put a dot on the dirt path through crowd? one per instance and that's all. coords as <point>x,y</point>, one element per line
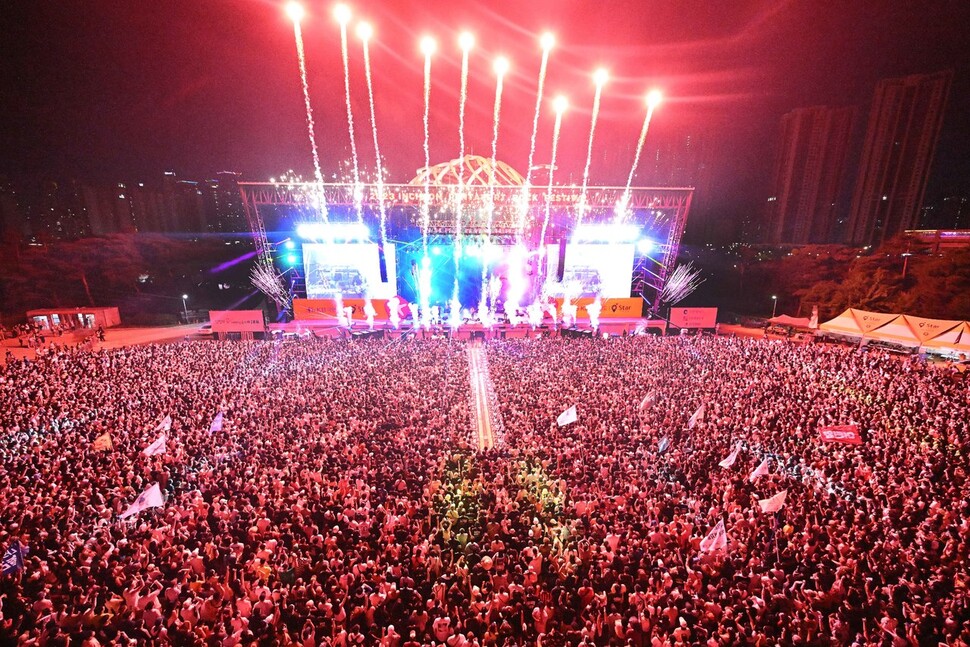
<point>482,414</point>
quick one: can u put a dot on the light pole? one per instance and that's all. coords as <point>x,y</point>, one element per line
<point>185,310</point>
<point>774,305</point>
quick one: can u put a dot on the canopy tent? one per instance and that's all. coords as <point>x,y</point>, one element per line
<point>927,329</point>
<point>901,329</point>
<point>794,322</point>
<point>844,324</point>
<point>956,338</point>
<point>896,331</point>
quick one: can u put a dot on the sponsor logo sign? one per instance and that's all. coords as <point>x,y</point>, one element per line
<point>237,320</point>
<point>693,317</point>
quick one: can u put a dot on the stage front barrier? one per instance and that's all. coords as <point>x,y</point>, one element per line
<point>693,317</point>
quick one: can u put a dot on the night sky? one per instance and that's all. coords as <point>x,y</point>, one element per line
<point>109,90</point>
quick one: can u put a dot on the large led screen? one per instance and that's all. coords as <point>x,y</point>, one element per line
<point>350,270</point>
<point>592,269</point>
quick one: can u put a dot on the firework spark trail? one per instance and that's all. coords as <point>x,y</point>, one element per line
<point>455,317</point>
<point>527,187</point>
<point>426,207</point>
<point>490,207</point>
<point>358,194</point>
<point>552,167</point>
<point>377,150</point>
<point>624,201</point>
<point>425,284</point>
<point>317,173</point>
<point>589,154</point>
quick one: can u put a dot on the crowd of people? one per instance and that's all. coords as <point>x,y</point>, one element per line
<point>342,500</point>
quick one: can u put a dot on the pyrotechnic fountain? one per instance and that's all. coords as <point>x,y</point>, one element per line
<point>342,13</point>
<point>501,66</point>
<point>466,41</point>
<point>295,12</point>
<point>428,47</point>
<point>547,41</point>
<point>653,99</point>
<point>559,104</point>
<point>599,78</point>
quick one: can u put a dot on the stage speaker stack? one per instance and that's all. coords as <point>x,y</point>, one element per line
<point>382,263</point>
<point>562,260</point>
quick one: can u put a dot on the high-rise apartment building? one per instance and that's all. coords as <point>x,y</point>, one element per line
<point>807,175</point>
<point>901,136</point>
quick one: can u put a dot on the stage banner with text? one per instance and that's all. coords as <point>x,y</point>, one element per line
<point>237,320</point>
<point>316,309</point>
<point>619,308</point>
<point>693,317</point>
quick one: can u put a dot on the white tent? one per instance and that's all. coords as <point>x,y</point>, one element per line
<point>906,330</point>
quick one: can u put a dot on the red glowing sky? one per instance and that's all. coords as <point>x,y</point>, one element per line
<point>125,90</point>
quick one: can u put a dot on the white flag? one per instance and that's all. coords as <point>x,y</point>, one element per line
<point>697,417</point>
<point>165,424</point>
<point>775,503</point>
<point>157,447</point>
<point>216,423</point>
<point>567,417</point>
<point>728,462</point>
<point>716,539</point>
<point>761,470</point>
<point>648,399</point>
<point>150,498</point>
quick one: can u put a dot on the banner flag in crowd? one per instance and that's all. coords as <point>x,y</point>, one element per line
<point>13,559</point>
<point>848,434</point>
<point>697,417</point>
<point>716,539</point>
<point>216,423</point>
<point>775,503</point>
<point>761,470</point>
<point>157,447</point>
<point>729,461</point>
<point>165,425</point>
<point>567,417</point>
<point>103,442</point>
<point>647,400</point>
<point>150,498</point>
<point>813,322</point>
<point>663,445</point>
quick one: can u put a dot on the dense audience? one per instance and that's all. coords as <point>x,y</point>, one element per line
<point>343,502</point>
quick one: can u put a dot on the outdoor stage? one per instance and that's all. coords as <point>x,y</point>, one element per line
<point>331,328</point>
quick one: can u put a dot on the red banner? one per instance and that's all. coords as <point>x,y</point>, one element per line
<point>848,434</point>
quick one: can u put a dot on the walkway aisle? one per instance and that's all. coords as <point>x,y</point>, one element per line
<point>486,420</point>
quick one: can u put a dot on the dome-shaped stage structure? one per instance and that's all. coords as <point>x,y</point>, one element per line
<point>471,170</point>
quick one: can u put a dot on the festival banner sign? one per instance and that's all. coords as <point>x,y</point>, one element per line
<point>237,320</point>
<point>848,434</point>
<point>317,309</point>
<point>693,317</point>
<point>616,308</point>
